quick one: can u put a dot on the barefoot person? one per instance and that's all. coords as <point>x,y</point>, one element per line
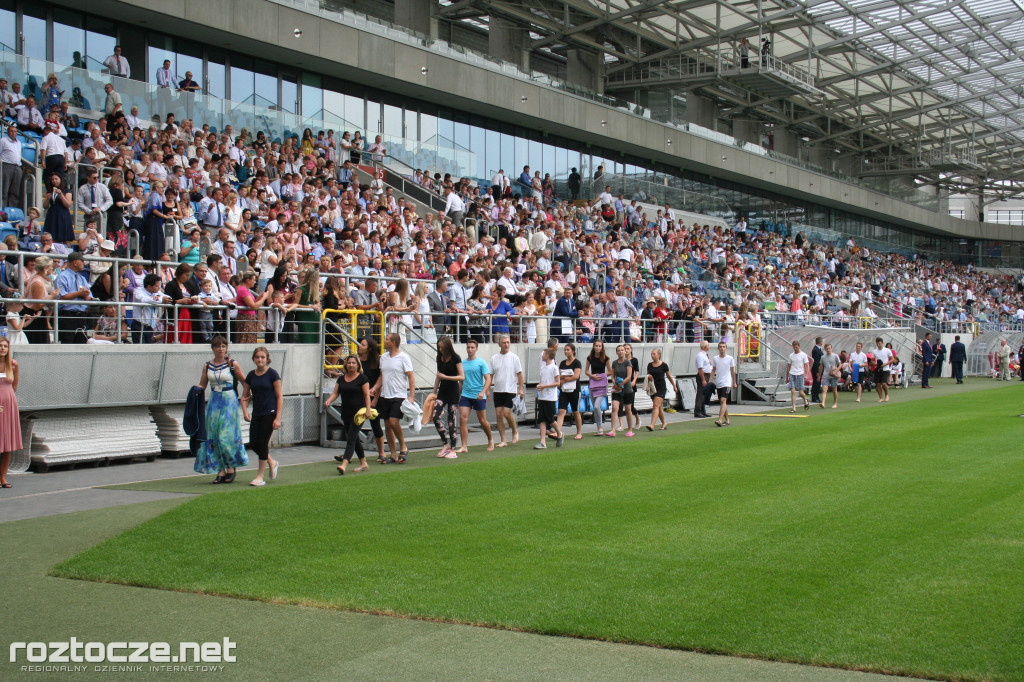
<point>796,371</point>
<point>569,371</point>
<point>723,374</point>
<point>223,450</point>
<point>828,377</point>
<point>369,359</point>
<point>354,390</point>
<point>10,418</point>
<point>622,384</point>
<point>883,362</point>
<point>661,374</point>
<point>475,387</point>
<point>508,382</point>
<point>263,391</point>
<point>447,387</point>
<point>399,384</point>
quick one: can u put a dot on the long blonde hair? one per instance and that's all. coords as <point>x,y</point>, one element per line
<point>6,362</point>
<point>311,281</point>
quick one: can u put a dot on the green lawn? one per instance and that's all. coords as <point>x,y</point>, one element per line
<point>889,539</point>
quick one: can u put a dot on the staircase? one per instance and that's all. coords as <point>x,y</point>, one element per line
<point>759,385</point>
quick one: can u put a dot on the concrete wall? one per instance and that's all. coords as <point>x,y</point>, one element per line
<point>266,28</point>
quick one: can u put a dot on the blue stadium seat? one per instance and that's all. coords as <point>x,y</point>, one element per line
<point>14,214</point>
<point>7,229</point>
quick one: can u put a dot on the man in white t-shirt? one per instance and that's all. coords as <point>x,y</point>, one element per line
<point>507,382</point>
<point>859,360</point>
<point>723,374</point>
<point>398,384</point>
<point>798,368</point>
<point>704,385</point>
<point>883,365</point>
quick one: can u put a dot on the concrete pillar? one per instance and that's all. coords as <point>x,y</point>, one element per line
<point>746,130</point>
<point>821,156</point>
<point>418,15</point>
<point>700,110</point>
<point>585,69</point>
<point>785,142</point>
<point>507,41</point>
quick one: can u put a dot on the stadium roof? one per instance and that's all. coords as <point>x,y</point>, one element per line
<point>932,89</point>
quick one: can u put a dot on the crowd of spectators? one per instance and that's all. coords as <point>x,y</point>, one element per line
<point>272,231</point>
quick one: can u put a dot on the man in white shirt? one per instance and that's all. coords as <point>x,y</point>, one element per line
<point>859,367</point>
<point>398,384</point>
<point>454,208</point>
<point>10,163</point>
<point>134,122</point>
<point>6,97</point>
<point>378,150</point>
<point>507,383</point>
<point>798,368</point>
<point>29,117</point>
<point>118,65</point>
<point>53,149</point>
<point>704,385</point>
<point>506,280</point>
<point>606,197</point>
<point>723,375</point>
<point>113,102</point>
<point>498,184</point>
<point>94,198</point>
<point>883,366</point>
<point>164,76</point>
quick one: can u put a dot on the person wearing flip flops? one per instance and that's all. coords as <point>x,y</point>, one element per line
<point>547,397</point>
<point>569,371</point>
<point>399,383</point>
<point>354,390</point>
<point>799,366</point>
<point>828,376</point>
<point>723,374</point>
<point>263,391</point>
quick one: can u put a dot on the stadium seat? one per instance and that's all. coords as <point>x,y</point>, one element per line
<point>14,214</point>
<point>7,229</point>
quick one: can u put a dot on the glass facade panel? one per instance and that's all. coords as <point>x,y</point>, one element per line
<point>68,38</point>
<point>34,30</point>
<point>8,23</point>
<point>508,155</point>
<point>312,95</point>
<point>289,94</point>
<point>243,84</point>
<point>372,120</point>
<point>355,112</point>
<point>215,75</point>
<point>478,146</point>
<point>394,124</point>
<point>492,153</point>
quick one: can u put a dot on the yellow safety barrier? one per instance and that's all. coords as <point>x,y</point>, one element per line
<point>358,324</point>
<point>750,341</point>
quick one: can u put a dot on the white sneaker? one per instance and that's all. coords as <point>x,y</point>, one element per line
<point>541,446</point>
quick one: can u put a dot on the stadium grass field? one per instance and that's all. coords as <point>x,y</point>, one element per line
<point>887,539</point>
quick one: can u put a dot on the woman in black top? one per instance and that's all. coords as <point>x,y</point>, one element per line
<point>628,398</point>
<point>659,371</point>
<point>569,371</point>
<point>369,357</point>
<point>447,389</point>
<point>354,390</point>
<point>622,386</point>
<point>263,392</point>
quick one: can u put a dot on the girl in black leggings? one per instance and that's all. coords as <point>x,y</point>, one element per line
<point>263,391</point>
<point>354,390</point>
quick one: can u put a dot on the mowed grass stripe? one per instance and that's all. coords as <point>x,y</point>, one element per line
<point>889,539</point>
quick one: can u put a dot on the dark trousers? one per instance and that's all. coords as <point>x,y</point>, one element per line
<point>937,369</point>
<point>815,388</point>
<point>141,334</point>
<point>35,328</point>
<point>353,441</point>
<point>260,430</point>
<point>70,325</point>
<point>926,372</point>
<point>10,191</point>
<point>54,163</point>
<point>958,372</point>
